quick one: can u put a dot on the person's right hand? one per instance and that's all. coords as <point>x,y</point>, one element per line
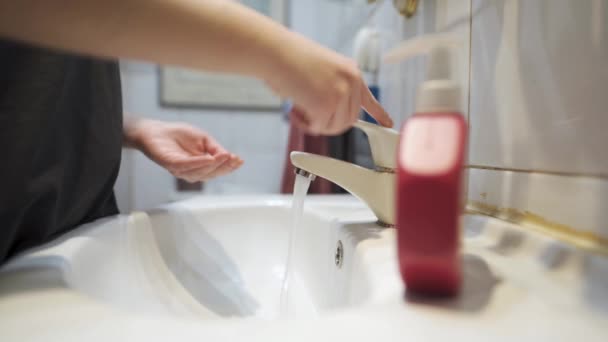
<point>327,88</point>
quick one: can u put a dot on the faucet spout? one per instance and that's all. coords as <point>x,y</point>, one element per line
<point>376,189</point>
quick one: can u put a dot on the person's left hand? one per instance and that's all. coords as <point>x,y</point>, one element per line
<point>185,151</point>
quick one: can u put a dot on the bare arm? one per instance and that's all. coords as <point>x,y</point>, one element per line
<point>217,35</point>
<point>210,34</point>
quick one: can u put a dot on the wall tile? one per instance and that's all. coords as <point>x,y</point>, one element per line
<point>538,95</point>
<point>576,202</point>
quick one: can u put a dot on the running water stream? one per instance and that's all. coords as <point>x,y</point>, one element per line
<point>300,188</point>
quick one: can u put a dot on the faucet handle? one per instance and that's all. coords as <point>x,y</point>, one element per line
<point>383,143</point>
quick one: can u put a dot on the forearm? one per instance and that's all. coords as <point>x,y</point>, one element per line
<point>218,35</point>
<point>130,133</point>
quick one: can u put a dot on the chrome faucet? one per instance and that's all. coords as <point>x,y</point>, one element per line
<point>374,187</point>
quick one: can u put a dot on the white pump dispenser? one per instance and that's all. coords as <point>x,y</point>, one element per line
<point>440,92</point>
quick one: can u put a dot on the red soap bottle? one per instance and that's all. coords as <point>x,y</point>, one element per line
<point>430,164</point>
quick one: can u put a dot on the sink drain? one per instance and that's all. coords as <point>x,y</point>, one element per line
<point>339,256</point>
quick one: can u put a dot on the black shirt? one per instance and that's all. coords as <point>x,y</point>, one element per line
<point>60,143</point>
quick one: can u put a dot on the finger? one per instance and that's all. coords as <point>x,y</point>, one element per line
<point>180,164</point>
<point>239,162</point>
<point>203,145</point>
<point>346,113</point>
<point>212,147</point>
<point>236,161</point>
<point>219,158</point>
<point>316,125</point>
<point>374,108</point>
<point>230,165</point>
<point>226,168</point>
<point>202,174</point>
<point>355,103</point>
<point>338,122</point>
<point>190,138</point>
<point>299,119</point>
<point>319,125</point>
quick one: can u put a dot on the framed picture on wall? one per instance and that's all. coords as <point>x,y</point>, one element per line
<point>181,87</point>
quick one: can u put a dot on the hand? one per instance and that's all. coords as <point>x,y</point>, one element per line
<point>183,150</point>
<point>327,88</point>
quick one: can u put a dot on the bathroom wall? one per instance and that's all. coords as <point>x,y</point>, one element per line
<point>539,112</point>
<point>534,74</point>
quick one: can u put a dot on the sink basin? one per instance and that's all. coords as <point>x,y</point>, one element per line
<point>213,267</point>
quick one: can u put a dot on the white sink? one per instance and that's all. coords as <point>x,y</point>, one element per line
<point>182,270</point>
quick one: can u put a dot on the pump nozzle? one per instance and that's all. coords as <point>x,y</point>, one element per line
<point>421,46</point>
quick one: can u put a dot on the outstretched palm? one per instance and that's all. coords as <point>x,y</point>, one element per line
<point>185,151</point>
